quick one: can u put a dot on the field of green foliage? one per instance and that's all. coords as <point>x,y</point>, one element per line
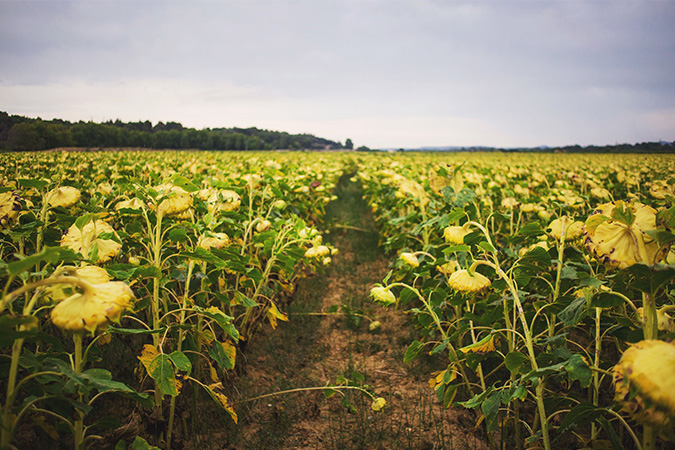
<point>544,283</point>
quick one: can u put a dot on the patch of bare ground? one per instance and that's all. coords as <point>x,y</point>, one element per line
<point>313,350</point>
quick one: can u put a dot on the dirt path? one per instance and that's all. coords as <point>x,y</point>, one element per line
<point>314,350</point>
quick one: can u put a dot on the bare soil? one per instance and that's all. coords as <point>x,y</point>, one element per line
<point>314,350</point>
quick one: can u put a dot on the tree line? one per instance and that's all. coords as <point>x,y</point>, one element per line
<point>18,133</point>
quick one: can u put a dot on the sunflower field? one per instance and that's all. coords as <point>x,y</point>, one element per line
<point>542,284</point>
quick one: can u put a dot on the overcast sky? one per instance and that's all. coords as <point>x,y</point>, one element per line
<point>404,73</point>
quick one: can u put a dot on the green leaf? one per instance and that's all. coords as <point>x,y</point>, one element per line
<point>537,255</point>
<point>613,437</point>
<point>666,217</point>
<point>161,370</point>
<point>581,414</point>
<point>456,248</point>
<point>248,302</point>
<point>8,332</point>
<point>605,300</point>
<point>48,254</point>
<point>412,351</point>
<point>531,229</point>
<point>490,408</point>
<point>112,329</point>
<point>141,444</point>
<point>33,183</point>
<point>649,278</point>
<point>185,183</point>
<point>572,312</point>
<point>178,235</point>
<point>477,400</point>
<point>485,245</point>
<point>439,347</point>
<point>221,356</point>
<point>517,363</point>
<point>578,369</point>
<point>623,214</point>
<point>181,361</point>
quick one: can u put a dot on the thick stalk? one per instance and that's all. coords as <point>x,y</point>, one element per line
<point>539,390</point>
<point>179,347</point>
<point>8,421</point>
<point>596,374</point>
<point>451,350</point>
<point>79,422</point>
<point>650,332</point>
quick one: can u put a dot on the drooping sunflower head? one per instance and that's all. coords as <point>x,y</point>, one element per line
<point>90,274</point>
<point>94,308</point>
<point>468,283</point>
<point>644,380</point>
<point>616,235</point>
<point>455,234</point>
<point>567,227</point>
<point>409,259</point>
<point>213,240</point>
<point>95,238</point>
<point>383,295</point>
<point>10,206</point>
<point>176,201</point>
<point>64,196</point>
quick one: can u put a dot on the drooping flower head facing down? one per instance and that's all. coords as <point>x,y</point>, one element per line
<point>95,238</point>
<point>10,206</point>
<point>90,274</point>
<point>213,240</point>
<point>176,201</point>
<point>468,283</point>
<point>565,227</point>
<point>383,295</point>
<point>616,235</point>
<point>455,234</point>
<point>410,259</point>
<point>644,380</point>
<point>64,196</point>
<point>132,203</point>
<point>94,308</point>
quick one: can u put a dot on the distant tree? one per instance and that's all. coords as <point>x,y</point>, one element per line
<point>349,145</point>
<point>25,136</point>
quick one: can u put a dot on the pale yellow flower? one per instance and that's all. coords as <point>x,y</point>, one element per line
<point>448,268</point>
<point>455,234</point>
<point>104,188</point>
<point>231,201</point>
<point>64,196</point>
<point>319,251</point>
<point>132,203</point>
<point>83,241</point>
<point>214,240</point>
<point>95,308</point>
<point>601,193</point>
<point>383,295</point>
<point>10,206</point>
<point>664,321</point>
<point>510,203</point>
<point>617,244</point>
<point>463,281</point>
<point>176,201</point>
<point>644,380</point>
<point>410,259</point>
<point>572,229</point>
<point>90,274</point>
<point>378,404</point>
<point>263,225</point>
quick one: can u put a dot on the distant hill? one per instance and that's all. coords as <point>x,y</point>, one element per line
<point>641,147</point>
<point>22,133</point>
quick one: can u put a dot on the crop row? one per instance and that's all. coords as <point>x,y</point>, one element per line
<point>542,286</point>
